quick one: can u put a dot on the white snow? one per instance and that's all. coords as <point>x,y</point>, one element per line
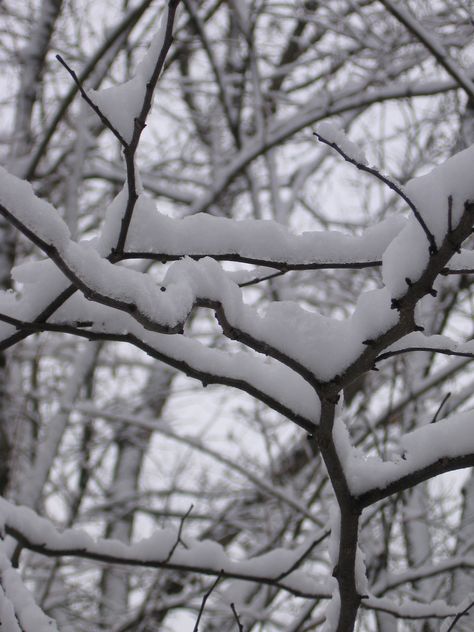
<point>201,234</point>
<point>449,438</point>
<point>122,104</point>
<point>154,550</point>
<point>407,255</point>
<point>430,192</point>
<point>37,215</point>
<point>333,134</point>
<point>18,610</point>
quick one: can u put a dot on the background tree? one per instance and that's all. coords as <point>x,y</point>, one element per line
<point>99,436</point>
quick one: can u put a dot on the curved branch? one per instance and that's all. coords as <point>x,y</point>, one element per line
<point>186,366</point>
<point>389,183</point>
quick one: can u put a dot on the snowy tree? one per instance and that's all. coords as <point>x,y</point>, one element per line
<point>210,235</point>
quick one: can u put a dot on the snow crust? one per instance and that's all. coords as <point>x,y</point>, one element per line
<point>417,340</point>
<point>462,260</point>
<point>326,346</point>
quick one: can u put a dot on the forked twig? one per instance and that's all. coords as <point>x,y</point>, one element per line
<point>389,183</point>
<point>178,537</point>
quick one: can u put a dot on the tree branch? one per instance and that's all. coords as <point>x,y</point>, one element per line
<point>389,183</point>
<point>429,41</point>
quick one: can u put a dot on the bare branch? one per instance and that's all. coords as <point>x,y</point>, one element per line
<point>389,183</point>
<point>178,537</point>
<point>204,600</point>
<point>91,104</point>
<point>240,627</point>
<point>304,555</point>
<point>140,124</point>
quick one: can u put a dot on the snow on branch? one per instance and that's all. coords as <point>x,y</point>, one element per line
<point>410,609</point>
<point>271,382</point>
<point>18,610</point>
<point>276,568</point>
<point>296,360</point>
<point>153,235</point>
<point>431,449</point>
<point>124,108</point>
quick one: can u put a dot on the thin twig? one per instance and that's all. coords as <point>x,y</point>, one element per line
<point>123,28</point>
<point>450,213</point>
<point>236,617</point>
<point>464,613</point>
<point>264,278</point>
<point>391,185</point>
<point>448,271</point>
<point>305,554</point>
<point>204,599</point>
<point>178,538</point>
<point>91,103</point>
<point>449,352</point>
<point>282,265</point>
<point>445,399</point>
<point>140,124</point>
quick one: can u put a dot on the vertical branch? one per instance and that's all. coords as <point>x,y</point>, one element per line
<point>140,124</point>
<point>344,569</point>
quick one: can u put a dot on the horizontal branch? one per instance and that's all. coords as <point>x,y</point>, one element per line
<point>159,551</point>
<point>440,466</point>
<point>410,610</point>
<point>282,265</point>
<point>426,571</point>
<point>449,352</point>
<point>450,271</point>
